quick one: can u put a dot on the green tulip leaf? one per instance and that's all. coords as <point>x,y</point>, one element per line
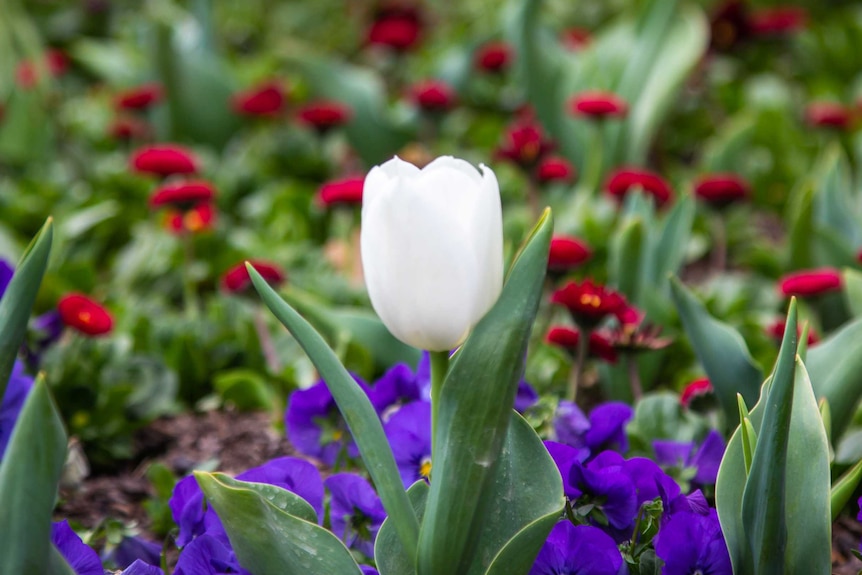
<point>852,282</point>
<point>834,207</point>
<point>356,408</point>
<point>267,537</point>
<point>835,366</point>
<point>844,488</point>
<point>474,413</point>
<point>669,249</point>
<point>721,350</point>
<point>29,473</point>
<point>17,302</point>
<point>387,553</point>
<point>801,226</point>
<point>624,258</point>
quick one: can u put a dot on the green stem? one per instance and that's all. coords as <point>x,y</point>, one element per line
<point>190,298</point>
<point>439,367</point>
<point>595,159</point>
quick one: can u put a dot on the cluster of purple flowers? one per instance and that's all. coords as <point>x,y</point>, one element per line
<point>614,503</point>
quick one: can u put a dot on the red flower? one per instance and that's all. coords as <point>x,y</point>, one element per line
<point>598,104</point>
<point>588,303</point>
<point>396,27</point>
<point>433,95</point>
<point>524,144</point>
<point>139,98</point>
<point>576,39</point>
<point>494,57</point>
<point>125,128</point>
<point>324,115</point>
<point>568,338</point>
<point>346,191</point>
<point>654,185</point>
<point>84,315</point>
<point>183,195</point>
<point>776,330</point>
<point>27,73</point>
<point>236,279</point>
<point>810,283</point>
<point>728,25</point>
<point>164,160</point>
<point>264,100</point>
<point>555,169</point>
<point>829,115</point>
<point>777,20</point>
<point>721,189</point>
<point>200,218</point>
<point>567,253</point>
<point>695,389</point>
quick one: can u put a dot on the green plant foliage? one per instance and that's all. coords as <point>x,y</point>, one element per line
<point>836,373</point>
<point>387,552</point>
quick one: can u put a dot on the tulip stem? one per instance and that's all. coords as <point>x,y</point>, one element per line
<point>267,346</point>
<point>439,367</point>
<point>580,363</point>
<point>634,377</point>
<point>190,298</point>
<point>719,243</point>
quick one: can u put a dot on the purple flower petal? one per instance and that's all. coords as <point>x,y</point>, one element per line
<point>581,550</point>
<point>409,434</point>
<point>187,509</point>
<point>206,555</point>
<point>17,389</point>
<point>570,424</point>
<point>356,512</point>
<point>82,559</point>
<point>708,458</point>
<point>132,549</point>
<point>6,273</point>
<point>691,543</point>
<point>610,490</point>
<point>608,427</point>
<point>526,397</point>
<point>141,568</point>
<point>564,456</point>
<point>293,474</point>
<point>398,385</point>
<point>670,453</point>
<point>649,480</point>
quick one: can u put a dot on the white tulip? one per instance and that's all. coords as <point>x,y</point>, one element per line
<point>432,248</point>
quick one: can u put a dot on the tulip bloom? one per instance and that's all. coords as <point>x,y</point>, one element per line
<point>432,248</point>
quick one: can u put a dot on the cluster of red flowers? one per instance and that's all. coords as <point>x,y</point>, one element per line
<point>734,22</point>
<point>525,145</point>
<point>54,62</point>
<point>129,104</point>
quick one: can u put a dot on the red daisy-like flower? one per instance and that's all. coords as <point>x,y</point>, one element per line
<point>398,28</point>
<point>139,98</point>
<point>728,25</point>
<point>566,338</point>
<point>555,169</point>
<point>433,95</point>
<point>625,179</point>
<point>778,20</point>
<point>829,115</point>
<point>776,330</point>
<point>84,315</point>
<point>721,189</point>
<point>695,389</point>
<point>598,104</point>
<point>588,303</point>
<point>27,72</point>
<point>198,219</point>
<point>324,115</point>
<point>524,144</point>
<point>567,253</point>
<point>576,39</point>
<point>264,100</point>
<point>494,57</point>
<point>346,191</point>
<point>164,160</point>
<point>810,283</point>
<point>237,280</point>
<point>183,195</point>
<point>127,128</point>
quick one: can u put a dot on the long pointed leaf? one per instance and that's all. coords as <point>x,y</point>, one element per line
<point>835,366</point>
<point>29,473</point>
<point>18,300</point>
<point>474,414</point>
<point>361,418</point>
<point>389,559</point>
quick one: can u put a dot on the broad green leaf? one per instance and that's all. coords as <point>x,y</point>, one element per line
<point>624,258</point>
<point>852,282</point>
<point>29,473</point>
<point>474,413</point>
<point>526,500</point>
<point>801,223</point>
<point>372,132</point>
<point>388,554</point>
<point>17,302</point>
<point>245,388</point>
<point>359,325</point>
<point>763,500</point>
<point>659,416</point>
<point>844,488</point>
<point>721,351</point>
<point>26,132</point>
<point>835,365</point>
<point>725,151</point>
<point>269,540</point>
<point>283,499</point>
<point>833,202</point>
<point>57,564</point>
<point>669,249</point>
<point>356,408</point>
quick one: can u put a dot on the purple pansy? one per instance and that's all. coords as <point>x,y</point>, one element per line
<point>7,270</point>
<point>564,457</point>
<point>206,555</point>
<point>608,427</point>
<point>704,550</point>
<point>570,424</point>
<point>315,426</point>
<point>606,490</point>
<point>187,509</point>
<point>526,397</point>
<point>133,549</point>
<point>82,559</point>
<point>397,386</point>
<point>706,459</point>
<point>17,389</point>
<point>141,568</point>
<point>577,550</point>
<point>368,570</point>
<point>356,512</point>
<point>409,434</point>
